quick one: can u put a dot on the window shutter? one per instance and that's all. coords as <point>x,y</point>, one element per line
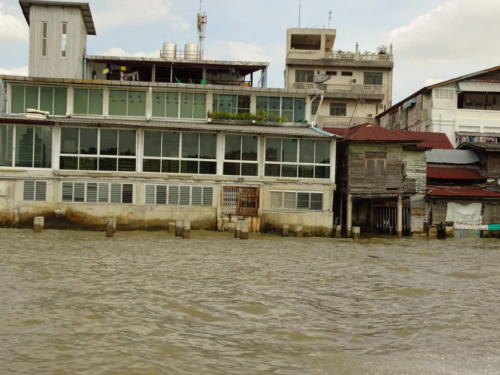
<point>127,193</point>
<point>196,196</point>
<point>29,191</point>
<point>290,200</point>
<point>161,194</point>
<point>173,195</point>
<point>104,193</point>
<point>208,196</point>
<point>150,194</point>
<point>184,195</point>
<point>79,192</point>
<point>276,199</point>
<point>303,200</point>
<point>40,191</point>
<point>92,192</point>
<point>116,193</point>
<point>67,191</point>
<point>316,201</point>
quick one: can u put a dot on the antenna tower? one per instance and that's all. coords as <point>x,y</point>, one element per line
<point>202,28</point>
<point>300,12</point>
<point>329,18</point>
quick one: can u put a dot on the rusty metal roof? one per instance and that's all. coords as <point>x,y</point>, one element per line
<point>460,192</point>
<point>453,173</point>
<point>372,133</point>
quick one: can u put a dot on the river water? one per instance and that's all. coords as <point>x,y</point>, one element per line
<point>147,303</point>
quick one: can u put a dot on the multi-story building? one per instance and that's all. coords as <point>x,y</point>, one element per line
<point>357,85</point>
<point>466,108</point>
<point>147,141</point>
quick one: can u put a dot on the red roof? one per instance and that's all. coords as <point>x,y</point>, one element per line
<point>460,191</point>
<point>371,132</point>
<point>444,173</point>
<point>431,140</point>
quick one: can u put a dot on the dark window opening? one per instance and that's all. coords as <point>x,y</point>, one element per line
<point>306,42</point>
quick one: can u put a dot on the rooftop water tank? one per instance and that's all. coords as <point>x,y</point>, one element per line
<point>191,51</point>
<point>169,51</point>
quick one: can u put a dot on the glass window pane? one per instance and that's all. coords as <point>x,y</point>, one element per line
<point>60,98</point>
<point>47,99</point>
<point>322,152</point>
<point>262,102</point>
<point>289,170</point>
<point>31,97</point>
<point>170,144</point>
<point>152,143</point>
<point>249,145</point>
<point>306,151</point>
<point>158,104</point>
<point>249,169</point>
<point>322,172</point>
<point>200,106</point>
<point>66,162</point>
<point>290,150</point>
<point>136,103</point>
<point>127,193</point>
<point>109,142</point>
<point>107,164</point>
<point>17,99</point>
<point>273,149</point>
<point>186,105</point>
<point>232,169</point>
<point>243,104</point>
<point>116,193</point>
<point>43,147</point>
<point>306,171</point>
<point>24,146</point>
<point>189,167</point>
<point>88,164</point>
<point>287,109</point>
<point>172,104</point>
<point>170,166</point>
<point>273,170</point>
<point>208,146</point>
<point>190,145</point>
<point>88,141</point>
<point>126,165</point>
<point>151,165</point>
<point>80,101</point>
<point>69,140</point>
<point>117,102</point>
<point>299,114</point>
<point>208,167</point>
<point>233,147</point>
<point>95,101</point>
<point>126,142</point>
<point>6,143</point>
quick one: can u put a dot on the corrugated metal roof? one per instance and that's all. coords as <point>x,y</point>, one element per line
<point>460,191</point>
<point>483,146</point>
<point>371,133</point>
<point>451,157</point>
<point>454,173</point>
<point>479,86</point>
<point>85,8</point>
<point>431,140</point>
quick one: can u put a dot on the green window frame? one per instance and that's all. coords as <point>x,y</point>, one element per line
<point>52,99</point>
<point>25,146</point>
<point>179,195</point>
<point>167,104</point>
<point>88,101</point>
<point>231,103</point>
<point>127,103</point>
<point>180,152</point>
<point>291,108</point>
<point>241,155</point>
<point>297,158</point>
<point>93,149</point>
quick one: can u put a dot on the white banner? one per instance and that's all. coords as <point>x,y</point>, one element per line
<point>465,214</point>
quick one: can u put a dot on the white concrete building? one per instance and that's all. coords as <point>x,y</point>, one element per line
<point>357,85</point>
<point>466,109</point>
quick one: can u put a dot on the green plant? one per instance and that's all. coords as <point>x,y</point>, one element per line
<point>262,116</point>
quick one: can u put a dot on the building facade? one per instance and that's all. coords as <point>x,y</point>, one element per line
<point>357,85</point>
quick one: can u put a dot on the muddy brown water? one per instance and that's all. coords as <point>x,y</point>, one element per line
<point>147,303</point>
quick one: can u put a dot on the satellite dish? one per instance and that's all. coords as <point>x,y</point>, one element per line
<point>321,78</point>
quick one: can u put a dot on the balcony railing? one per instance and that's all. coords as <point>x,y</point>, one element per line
<point>342,121</point>
<point>353,88</point>
<point>337,55</point>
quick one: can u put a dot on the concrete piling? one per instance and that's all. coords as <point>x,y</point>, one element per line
<point>356,232</point>
<point>237,229</point>
<point>110,227</point>
<point>299,231</point>
<point>38,224</point>
<point>186,231</point>
<point>284,230</point>
<point>338,231</point>
<point>244,231</point>
<point>171,227</point>
<point>179,227</point>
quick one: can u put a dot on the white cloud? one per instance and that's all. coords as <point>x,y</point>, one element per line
<point>12,28</point>
<point>16,71</point>
<point>111,13</point>
<point>452,39</point>
<point>117,51</point>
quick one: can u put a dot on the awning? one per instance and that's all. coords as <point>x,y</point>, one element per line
<point>479,86</point>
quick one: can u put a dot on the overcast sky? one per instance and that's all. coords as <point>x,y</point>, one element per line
<point>433,40</point>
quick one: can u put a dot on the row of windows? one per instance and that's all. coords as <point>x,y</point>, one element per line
<point>369,78</point>
<point>89,102</point>
<point>157,194</point>
<point>93,149</point>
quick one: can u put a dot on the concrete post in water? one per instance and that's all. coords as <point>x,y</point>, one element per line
<point>179,227</point>
<point>284,230</point>
<point>349,215</point>
<point>225,223</point>
<point>38,224</point>
<point>338,231</point>
<point>237,229</point>
<point>110,227</point>
<point>171,227</point>
<point>299,231</point>
<point>244,231</point>
<point>356,231</point>
<point>399,223</point>
<point>186,231</point>
<point>441,231</point>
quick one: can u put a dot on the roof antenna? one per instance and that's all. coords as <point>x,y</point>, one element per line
<point>329,18</point>
<point>300,11</point>
<point>202,26</point>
